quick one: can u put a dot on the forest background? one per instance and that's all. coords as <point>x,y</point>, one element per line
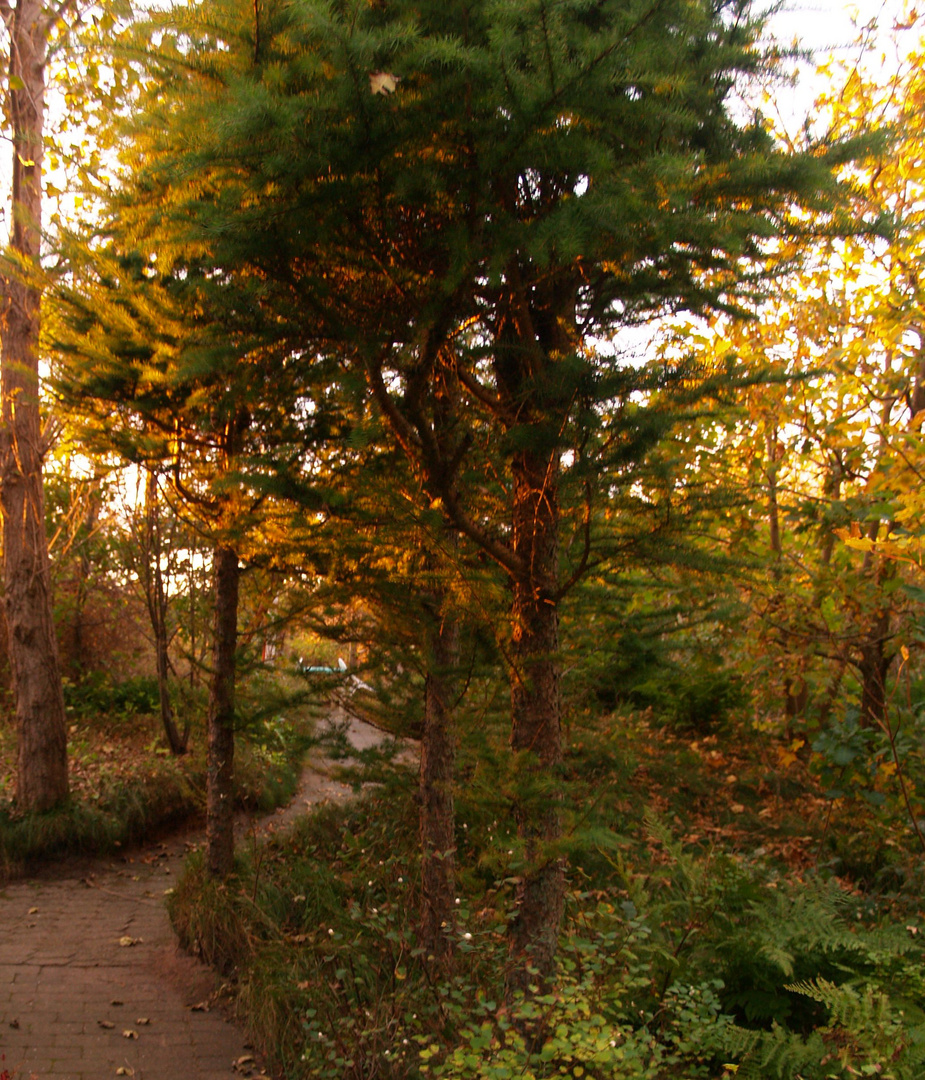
<point>519,357</point>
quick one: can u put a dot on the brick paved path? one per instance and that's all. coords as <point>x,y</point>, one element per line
<point>92,984</point>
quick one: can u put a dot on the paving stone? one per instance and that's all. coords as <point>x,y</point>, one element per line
<point>62,968</point>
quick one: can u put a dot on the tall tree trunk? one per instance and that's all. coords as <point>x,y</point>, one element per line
<point>220,794</point>
<point>536,736</point>
<point>41,779</point>
<point>437,808</point>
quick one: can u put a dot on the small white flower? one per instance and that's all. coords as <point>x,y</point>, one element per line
<point>369,884</point>
<point>457,899</point>
<point>331,933</point>
<point>400,880</point>
<point>467,936</point>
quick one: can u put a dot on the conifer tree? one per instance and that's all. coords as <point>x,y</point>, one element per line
<point>460,203</point>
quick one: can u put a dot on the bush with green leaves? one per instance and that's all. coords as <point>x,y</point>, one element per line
<point>98,694</point>
<point>672,963</point>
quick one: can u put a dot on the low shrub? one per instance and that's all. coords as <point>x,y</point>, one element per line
<point>98,694</point>
<point>671,964</point>
<point>127,788</point>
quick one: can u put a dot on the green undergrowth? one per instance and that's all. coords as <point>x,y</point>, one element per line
<point>126,788</point>
<point>161,796</point>
<point>675,961</point>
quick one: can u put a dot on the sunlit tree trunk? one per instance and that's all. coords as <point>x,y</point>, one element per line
<point>41,779</point>
<point>536,734</point>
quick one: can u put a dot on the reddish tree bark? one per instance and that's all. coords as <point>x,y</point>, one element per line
<point>41,779</point>
<point>536,716</point>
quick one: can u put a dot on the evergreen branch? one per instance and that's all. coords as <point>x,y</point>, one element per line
<point>491,401</point>
<point>415,441</point>
<point>584,560</point>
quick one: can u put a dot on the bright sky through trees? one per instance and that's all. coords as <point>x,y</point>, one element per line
<point>832,29</point>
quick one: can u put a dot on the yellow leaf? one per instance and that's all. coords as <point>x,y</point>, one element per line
<point>383,82</point>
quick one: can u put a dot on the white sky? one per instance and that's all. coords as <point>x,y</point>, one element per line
<point>827,25</point>
<point>833,30</point>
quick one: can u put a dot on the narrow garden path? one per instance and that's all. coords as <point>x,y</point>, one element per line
<point>92,983</point>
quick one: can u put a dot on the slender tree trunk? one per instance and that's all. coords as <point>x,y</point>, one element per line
<point>873,662</point>
<point>84,569</point>
<point>437,811</point>
<point>874,668</point>
<point>220,795</point>
<point>194,659</point>
<point>42,777</point>
<point>157,612</point>
<point>772,455</point>
<point>795,688</point>
<point>536,736</point>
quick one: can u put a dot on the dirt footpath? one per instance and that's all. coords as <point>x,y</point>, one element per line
<point>92,984</point>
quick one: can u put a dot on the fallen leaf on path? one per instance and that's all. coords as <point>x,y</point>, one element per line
<point>14,1024</point>
<point>106,1024</point>
<point>200,1006</point>
<point>124,1070</point>
<point>129,1034</point>
<point>127,941</point>
<point>115,1001</point>
<point>143,1020</point>
<point>33,911</point>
